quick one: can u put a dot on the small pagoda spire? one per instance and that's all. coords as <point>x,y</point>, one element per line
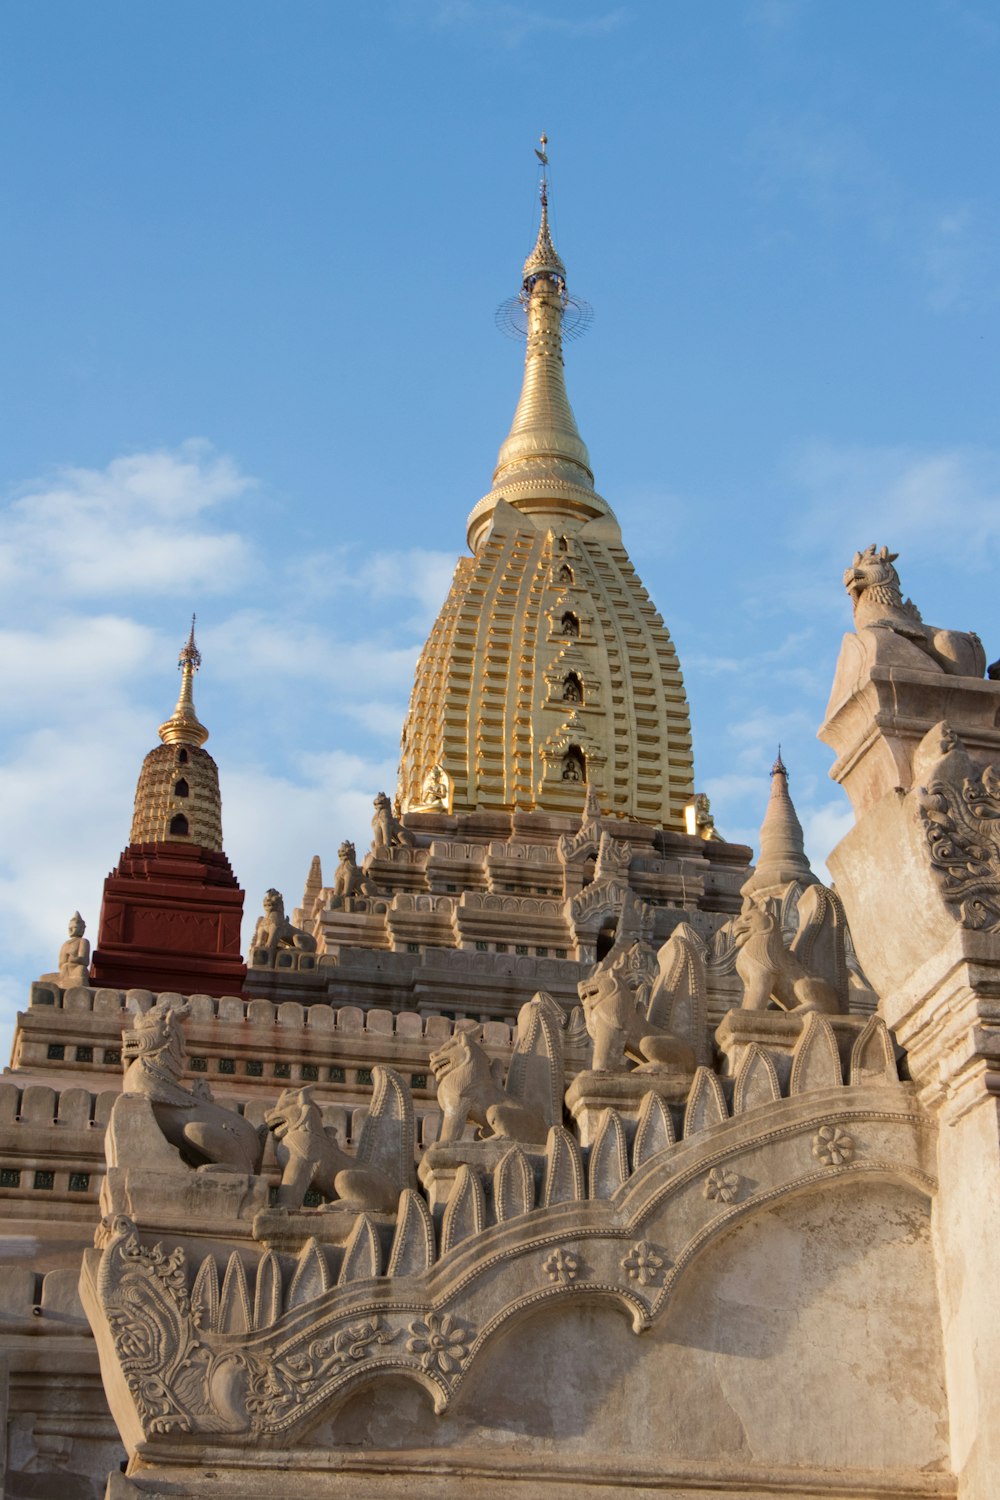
<point>782,842</point>
<point>184,727</point>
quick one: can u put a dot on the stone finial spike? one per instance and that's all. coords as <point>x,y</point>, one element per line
<point>782,842</point>
<point>184,727</point>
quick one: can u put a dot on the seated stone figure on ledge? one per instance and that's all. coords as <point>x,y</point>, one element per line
<point>877,597</point>
<point>311,1158</point>
<point>620,1028</point>
<point>349,882</point>
<point>387,831</point>
<point>772,974</point>
<point>530,1102</point>
<point>74,957</point>
<point>274,931</point>
<point>154,1102</point>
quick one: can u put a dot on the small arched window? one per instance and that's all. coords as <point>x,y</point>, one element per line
<point>181,788</point>
<point>566,574</point>
<point>179,825</point>
<point>574,767</point>
<point>563,544</point>
<point>570,624</point>
<point>572,688</point>
<point>182,757</point>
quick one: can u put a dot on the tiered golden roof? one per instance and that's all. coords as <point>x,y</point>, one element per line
<point>548,667</point>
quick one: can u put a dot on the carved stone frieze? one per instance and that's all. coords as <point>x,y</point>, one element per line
<point>259,1357</point>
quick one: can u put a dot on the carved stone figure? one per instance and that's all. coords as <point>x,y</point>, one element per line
<point>572,691</point>
<point>620,1028</point>
<point>769,971</point>
<point>959,809</point>
<point>387,831</point>
<point>434,795</point>
<point>310,1156</point>
<point>699,820</point>
<point>874,587</point>
<point>274,930</point>
<point>468,1090</point>
<point>572,769</point>
<point>348,880</point>
<point>74,957</point>
<point>205,1134</point>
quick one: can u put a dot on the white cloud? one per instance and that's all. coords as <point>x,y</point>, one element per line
<point>138,527</point>
<point>851,495</point>
<point>824,827</point>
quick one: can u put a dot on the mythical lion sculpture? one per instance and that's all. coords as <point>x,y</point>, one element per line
<point>205,1134</point>
<point>310,1156</point>
<point>877,597</point>
<point>769,971</point>
<point>274,931</point>
<point>387,831</point>
<point>349,881</point>
<point>468,1090</point>
<point>619,1027</point>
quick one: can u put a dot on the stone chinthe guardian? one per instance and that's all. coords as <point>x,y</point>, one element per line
<point>553,1149</point>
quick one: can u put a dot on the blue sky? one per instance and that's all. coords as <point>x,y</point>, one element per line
<point>248,273</point>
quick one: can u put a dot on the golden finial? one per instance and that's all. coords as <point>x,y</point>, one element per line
<point>544,259</point>
<point>184,727</point>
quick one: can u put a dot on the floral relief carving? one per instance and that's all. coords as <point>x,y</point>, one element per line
<point>562,1265</point>
<point>833,1146</point>
<point>722,1185</point>
<point>276,1387</point>
<point>643,1264</point>
<point>441,1343</point>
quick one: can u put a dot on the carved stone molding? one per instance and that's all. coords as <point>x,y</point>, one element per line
<point>259,1357</point>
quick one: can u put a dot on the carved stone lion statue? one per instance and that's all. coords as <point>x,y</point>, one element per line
<point>274,930</point>
<point>769,971</point>
<point>205,1134</point>
<point>349,881</point>
<point>877,597</point>
<point>387,831</point>
<point>619,1027</point>
<point>310,1156</point>
<point>468,1090</point>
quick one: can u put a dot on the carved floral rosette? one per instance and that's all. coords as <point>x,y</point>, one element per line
<point>621,1222</point>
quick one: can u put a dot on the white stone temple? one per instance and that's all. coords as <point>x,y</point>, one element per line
<point>550,1148</point>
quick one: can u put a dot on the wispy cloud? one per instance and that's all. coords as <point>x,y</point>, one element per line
<point>958,259</point>
<point>513,24</point>
<point>775,15</point>
<point>854,494</point>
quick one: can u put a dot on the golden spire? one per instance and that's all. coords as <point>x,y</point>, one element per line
<point>543,466</point>
<point>184,727</point>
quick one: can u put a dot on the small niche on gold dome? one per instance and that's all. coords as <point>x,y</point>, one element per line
<point>179,825</point>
